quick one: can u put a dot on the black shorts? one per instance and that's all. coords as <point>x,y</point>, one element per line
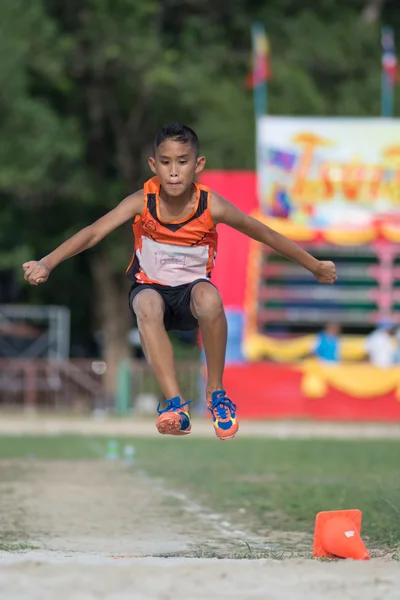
<point>177,313</point>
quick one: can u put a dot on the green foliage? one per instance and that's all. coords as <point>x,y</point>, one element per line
<point>34,139</point>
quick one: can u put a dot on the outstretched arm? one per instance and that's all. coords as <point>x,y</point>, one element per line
<point>38,271</point>
<point>223,211</point>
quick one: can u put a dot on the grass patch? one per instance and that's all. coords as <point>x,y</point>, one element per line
<point>282,484</point>
<point>65,447</point>
<point>250,554</point>
<point>264,485</point>
<point>16,546</point>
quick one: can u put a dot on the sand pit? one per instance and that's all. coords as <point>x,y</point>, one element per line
<point>86,577</point>
<point>100,530</point>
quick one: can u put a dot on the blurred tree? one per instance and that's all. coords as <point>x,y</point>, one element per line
<point>34,140</point>
<point>127,75</point>
<point>38,148</point>
<point>85,85</point>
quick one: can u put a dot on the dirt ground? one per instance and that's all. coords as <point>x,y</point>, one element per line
<point>197,579</point>
<point>101,530</point>
<point>93,507</point>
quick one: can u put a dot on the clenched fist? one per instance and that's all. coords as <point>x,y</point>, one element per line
<point>36,272</point>
<point>325,272</point>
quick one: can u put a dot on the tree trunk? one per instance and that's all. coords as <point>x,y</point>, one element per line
<point>372,10</point>
<point>112,311</point>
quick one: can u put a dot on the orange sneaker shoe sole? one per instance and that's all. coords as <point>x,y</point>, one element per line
<point>229,437</point>
<point>226,437</point>
<point>170,424</point>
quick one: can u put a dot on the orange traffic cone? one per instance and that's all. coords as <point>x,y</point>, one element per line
<point>337,535</point>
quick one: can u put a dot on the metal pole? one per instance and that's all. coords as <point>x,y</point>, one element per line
<point>389,67</point>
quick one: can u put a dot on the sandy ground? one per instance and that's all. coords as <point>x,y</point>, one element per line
<point>175,579</point>
<point>101,531</point>
<point>95,507</point>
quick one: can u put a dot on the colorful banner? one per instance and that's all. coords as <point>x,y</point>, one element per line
<point>390,72</point>
<point>260,70</point>
<point>330,172</point>
<point>299,392</point>
<point>389,59</point>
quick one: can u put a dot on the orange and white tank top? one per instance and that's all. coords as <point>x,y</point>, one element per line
<point>176,252</point>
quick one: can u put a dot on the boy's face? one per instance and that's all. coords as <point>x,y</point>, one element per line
<point>175,165</point>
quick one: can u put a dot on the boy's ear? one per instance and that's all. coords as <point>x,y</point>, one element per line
<point>200,164</point>
<point>152,163</point>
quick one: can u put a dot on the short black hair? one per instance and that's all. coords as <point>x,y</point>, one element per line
<point>178,133</point>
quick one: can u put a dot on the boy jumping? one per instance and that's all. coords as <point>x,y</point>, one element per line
<point>174,224</point>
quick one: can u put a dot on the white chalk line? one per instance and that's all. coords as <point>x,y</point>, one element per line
<point>217,522</point>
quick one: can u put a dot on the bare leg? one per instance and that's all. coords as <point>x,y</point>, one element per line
<point>149,309</point>
<point>206,306</point>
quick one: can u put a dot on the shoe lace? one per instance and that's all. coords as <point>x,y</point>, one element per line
<point>172,405</point>
<point>221,403</point>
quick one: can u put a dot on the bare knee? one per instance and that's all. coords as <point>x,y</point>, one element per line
<point>148,307</point>
<point>206,301</point>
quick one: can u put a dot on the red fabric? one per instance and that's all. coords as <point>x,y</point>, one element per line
<point>229,275</point>
<point>265,391</point>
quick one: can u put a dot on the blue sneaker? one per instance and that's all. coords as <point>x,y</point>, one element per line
<point>173,420</point>
<point>224,415</point>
